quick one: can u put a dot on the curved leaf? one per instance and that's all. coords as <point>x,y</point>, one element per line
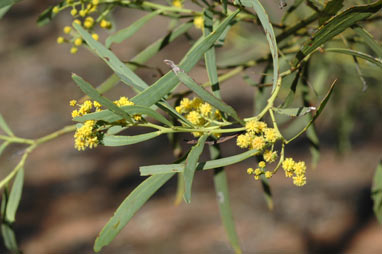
<point>15,196</point>
<point>136,199</point>
<point>128,140</point>
<point>294,111</point>
<point>367,57</point>
<point>4,126</point>
<point>169,168</point>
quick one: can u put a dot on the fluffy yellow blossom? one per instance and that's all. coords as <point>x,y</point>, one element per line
<point>288,164</point>
<point>73,103</point>
<point>299,168</point>
<point>194,117</point>
<point>67,29</point>
<point>195,103</point>
<point>243,140</point>
<point>60,40</point>
<point>88,23</point>
<point>250,171</point>
<point>83,13</point>
<point>270,135</point>
<point>258,171</point>
<point>73,12</point>
<point>185,104</point>
<point>95,2</point>
<point>256,177</point>
<point>255,126</point>
<point>199,22</point>
<point>96,104</point>
<point>95,36</point>
<point>105,24</point>
<point>75,113</point>
<point>197,134</point>
<point>177,3</point>
<point>123,101</point>
<point>270,156</point>
<point>77,21</point>
<point>56,9</point>
<point>85,136</point>
<point>262,164</point>
<point>78,42</point>
<point>205,109</point>
<point>86,107</point>
<point>73,50</point>
<point>299,180</point>
<point>288,174</point>
<point>258,143</point>
<point>268,174</point>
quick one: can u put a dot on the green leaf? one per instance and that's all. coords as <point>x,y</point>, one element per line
<point>270,34</point>
<point>124,73</point>
<point>224,2</point>
<point>47,15</point>
<point>4,10</point>
<point>294,111</point>
<point>169,81</point>
<point>331,9</point>
<point>109,116</point>
<point>209,56</point>
<point>222,193</point>
<point>109,140</point>
<point>15,196</point>
<point>367,57</point>
<point>206,96</point>
<point>314,144</point>
<point>92,93</point>
<point>369,40</point>
<point>129,31</point>
<point>169,168</point>
<point>9,238</point>
<point>5,3</point>
<point>376,192</point>
<point>128,208</point>
<point>4,126</point>
<point>145,55</point>
<point>267,192</point>
<point>335,26</point>
<point>190,166</point>
<point>3,146</point>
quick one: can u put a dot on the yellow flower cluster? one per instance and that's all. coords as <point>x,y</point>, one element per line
<point>259,171</point>
<point>199,22</point>
<point>295,170</point>
<point>86,135</point>
<point>81,10</point>
<point>258,136</point>
<point>199,113</point>
<point>177,3</point>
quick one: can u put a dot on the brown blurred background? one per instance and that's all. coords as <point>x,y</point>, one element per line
<point>68,195</point>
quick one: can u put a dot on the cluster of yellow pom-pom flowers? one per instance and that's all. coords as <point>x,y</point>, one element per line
<point>81,10</point>
<point>87,135</point>
<point>199,113</point>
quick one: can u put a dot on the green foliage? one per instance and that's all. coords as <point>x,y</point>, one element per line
<point>208,117</point>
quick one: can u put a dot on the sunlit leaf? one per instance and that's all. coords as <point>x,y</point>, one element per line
<point>376,192</point>
<point>111,140</point>
<point>15,196</point>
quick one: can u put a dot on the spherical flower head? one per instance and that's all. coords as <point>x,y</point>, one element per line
<point>271,135</point>
<point>195,103</point>
<point>88,24</point>
<point>258,171</point>
<point>256,177</point>
<point>299,168</point>
<point>83,13</point>
<point>77,21</point>
<point>262,164</point>
<point>96,104</point>
<point>73,12</point>
<point>91,142</point>
<point>79,144</point>
<point>56,9</point>
<point>95,36</point>
<point>288,174</point>
<point>104,24</point>
<point>258,143</point>
<point>197,134</point>
<point>177,3</point>
<point>288,164</point>
<point>95,2</point>
<point>73,50</point>
<point>67,29</point>
<point>86,107</point>
<point>250,171</point>
<point>199,22</point>
<point>137,117</point>
<point>299,180</point>
<point>255,126</point>
<point>78,42</point>
<point>75,113</point>
<point>268,174</point>
<point>205,109</point>
<point>194,117</point>
<point>123,101</point>
<point>185,105</point>
<point>243,140</point>
<point>73,103</point>
<point>60,40</point>
<point>270,156</point>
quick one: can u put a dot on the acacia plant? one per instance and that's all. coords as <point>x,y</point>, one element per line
<point>286,105</point>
